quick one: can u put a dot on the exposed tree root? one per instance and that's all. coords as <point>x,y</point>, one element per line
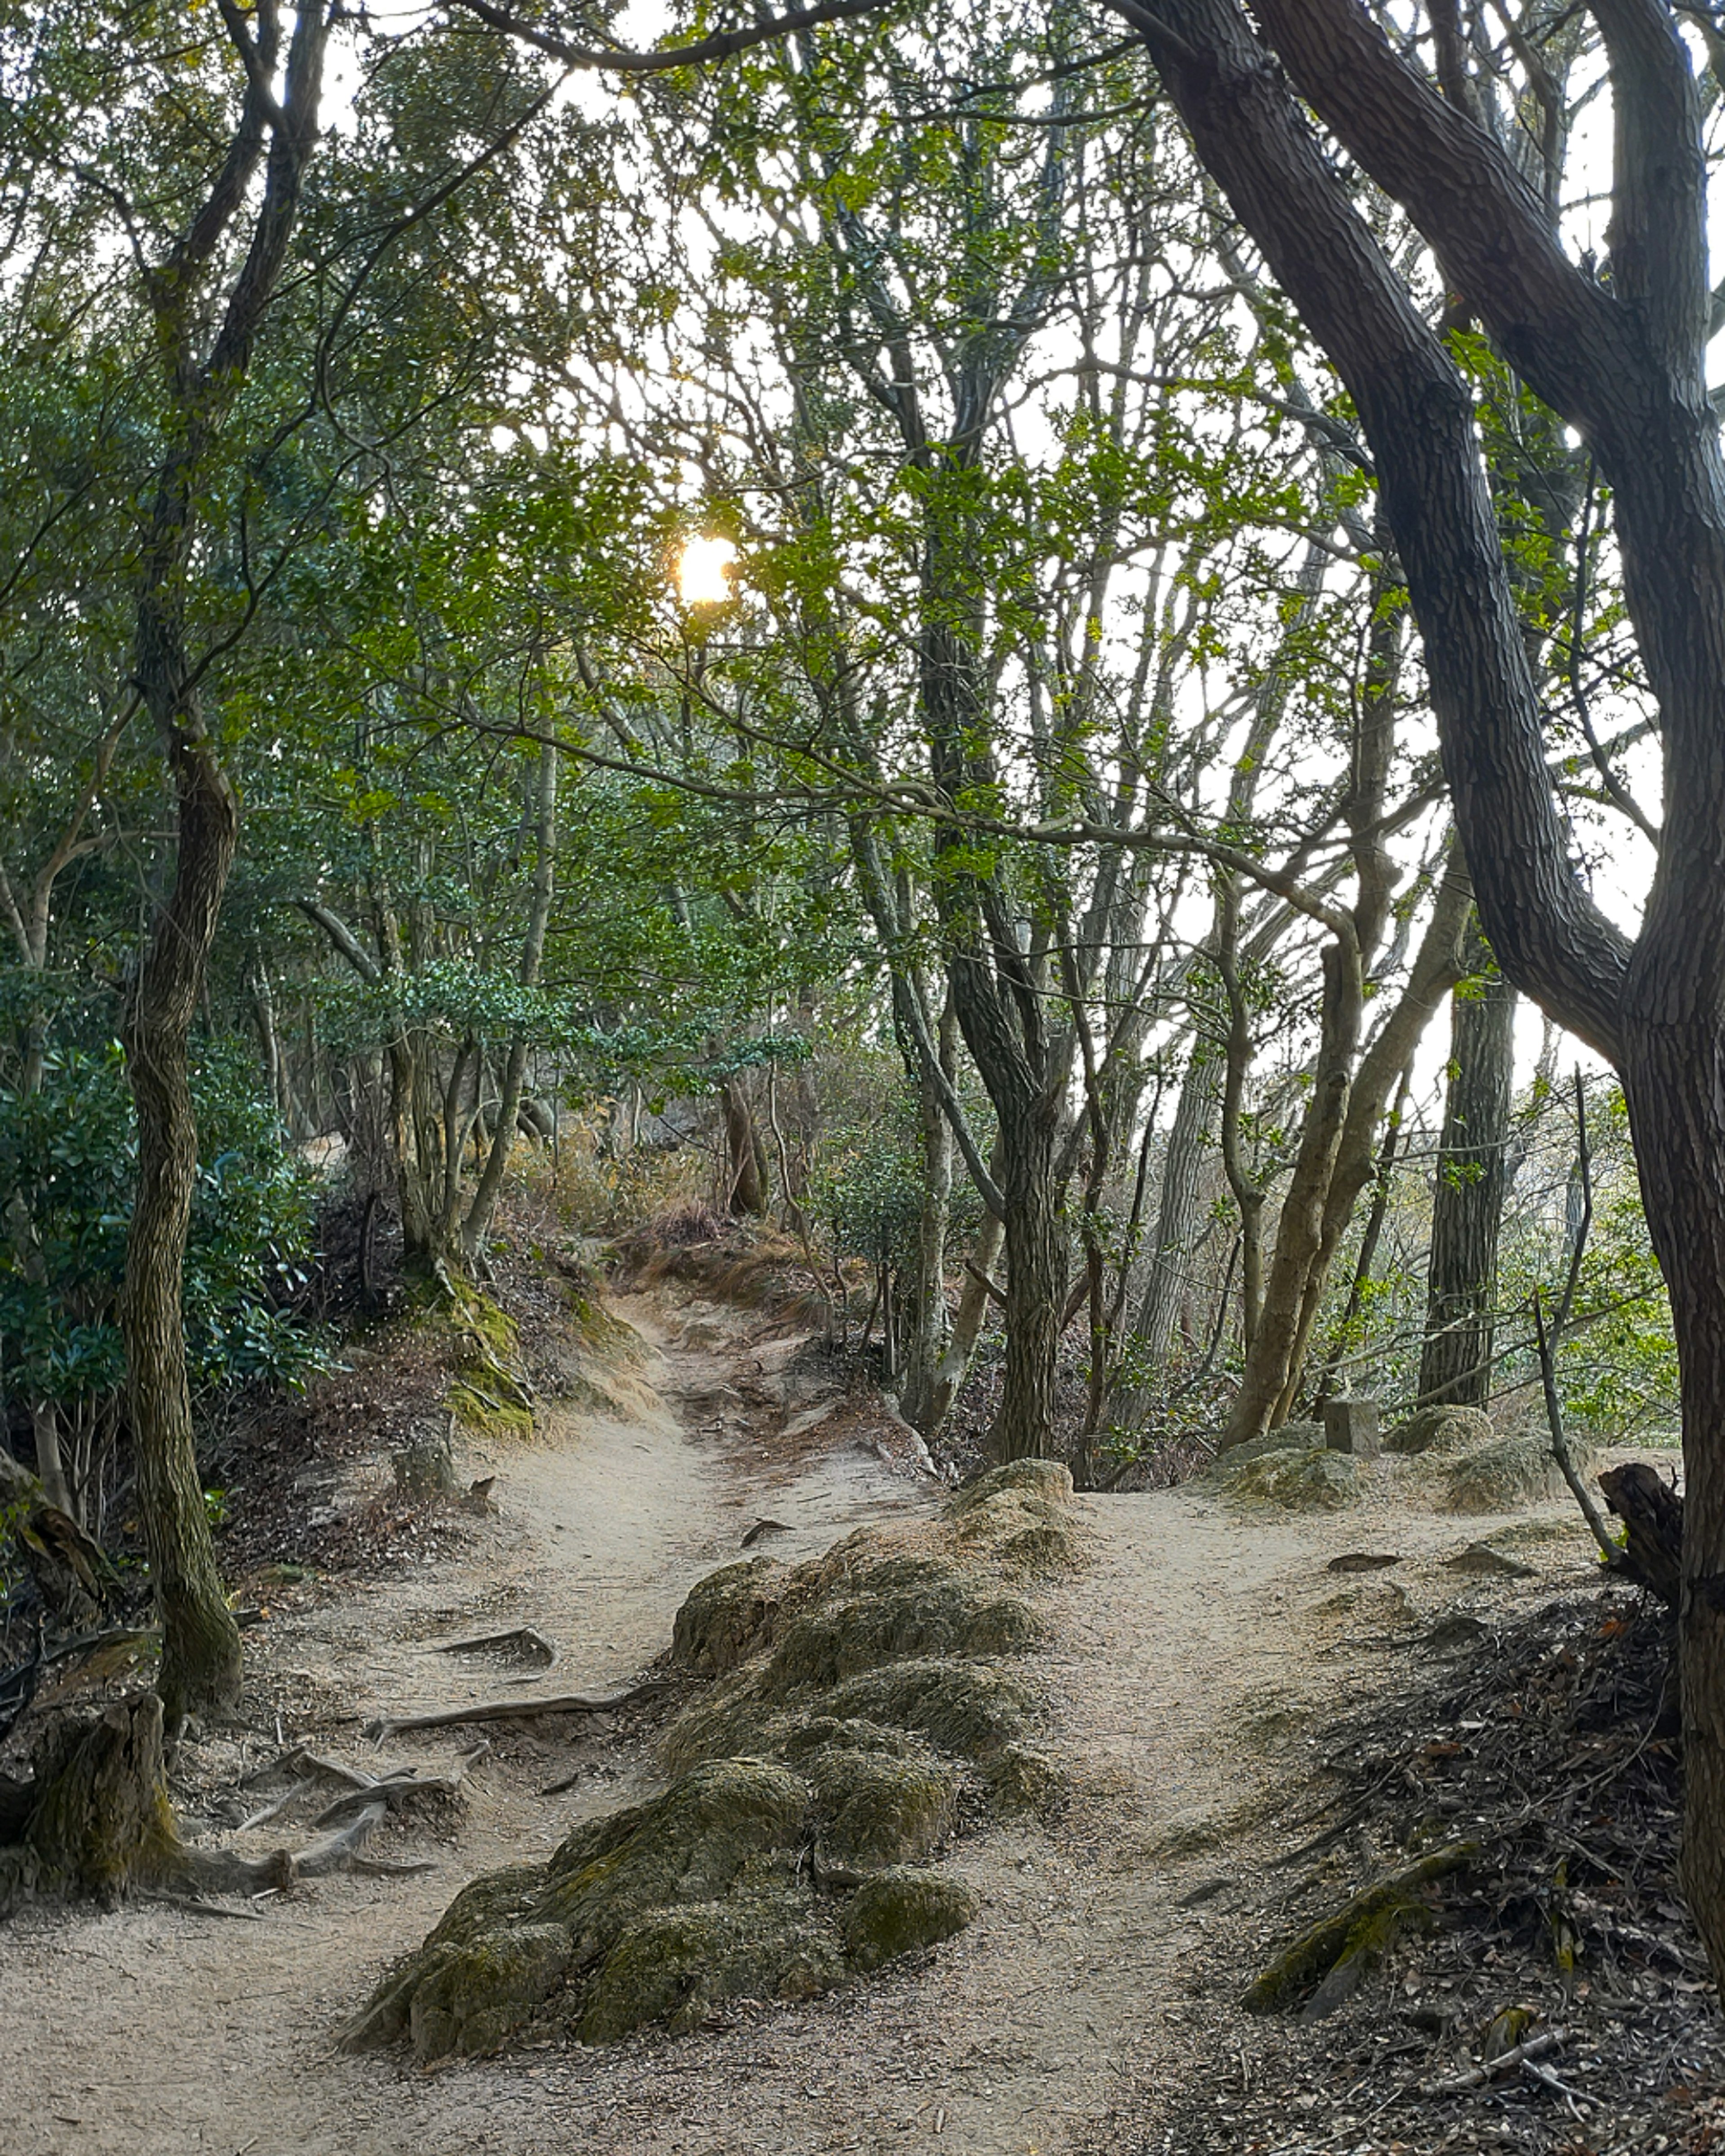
<point>1332,1958</point>
<point>94,1820</point>
<point>516,1709</point>
<point>529,1645</point>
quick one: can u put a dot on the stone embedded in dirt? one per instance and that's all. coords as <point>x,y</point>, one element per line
<point>854,1701</point>
<point>1480,1558</point>
<point>1508,1473</point>
<point>1364,1561</point>
<point>1440,1430</point>
<point>1351,1425</point>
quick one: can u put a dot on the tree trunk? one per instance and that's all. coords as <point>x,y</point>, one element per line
<point>1271,1354</point>
<point>1435,969</point>
<point>1469,1191</point>
<point>1672,1080</point>
<point>200,1650</point>
<point>931,1321</point>
<point>746,1155</point>
<point>477,1224</point>
<point>1035,1236</point>
<point>1177,1230</point>
<point>967,1329</point>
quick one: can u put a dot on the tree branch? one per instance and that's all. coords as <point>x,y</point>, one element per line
<point>718,47</point>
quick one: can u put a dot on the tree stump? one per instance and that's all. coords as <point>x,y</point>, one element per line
<point>1653,1513</point>
<point>98,1821</point>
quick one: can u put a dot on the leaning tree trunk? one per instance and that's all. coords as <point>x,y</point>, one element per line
<point>1468,1194</point>
<point>1273,1352</point>
<point>200,1645</point>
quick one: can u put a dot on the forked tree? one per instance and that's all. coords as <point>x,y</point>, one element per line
<point>1615,349</point>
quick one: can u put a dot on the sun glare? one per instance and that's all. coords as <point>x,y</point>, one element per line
<point>703,577</point>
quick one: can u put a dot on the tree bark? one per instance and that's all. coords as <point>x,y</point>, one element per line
<point>477,1224</point>
<point>1035,1236</point>
<point>931,1321</point>
<point>200,1651</point>
<point>1177,1229</point>
<point>1469,1188</point>
<point>744,1151</point>
<point>1271,1354</point>
<point>1622,363</point>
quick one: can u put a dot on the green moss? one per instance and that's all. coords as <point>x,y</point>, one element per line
<point>909,1607</point>
<point>1021,1516</point>
<point>1354,1936</point>
<point>960,1706</point>
<point>880,1808</point>
<point>673,1966</point>
<point>1021,1779</point>
<point>472,1999</point>
<point>483,1412</point>
<point>898,1912</point>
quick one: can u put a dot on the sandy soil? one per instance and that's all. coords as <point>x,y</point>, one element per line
<point>1189,1661</point>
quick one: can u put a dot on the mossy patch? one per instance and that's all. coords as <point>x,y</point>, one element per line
<point>899,1911</point>
<point>1327,1962</point>
<point>1297,1479</point>
<point>853,1702</point>
<point>728,1616</point>
<point>1507,1473</point>
<point>1021,1517</point>
<point>1441,1431</point>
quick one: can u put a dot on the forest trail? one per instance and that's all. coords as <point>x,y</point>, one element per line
<point>1186,1663</point>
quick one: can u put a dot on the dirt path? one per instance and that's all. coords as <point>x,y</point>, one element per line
<point>1188,1660</point>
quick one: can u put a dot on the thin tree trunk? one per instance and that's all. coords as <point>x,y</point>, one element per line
<point>478,1223</point>
<point>1468,1192</point>
<point>930,1322</point>
<point>747,1195</point>
<point>1177,1230</point>
<point>200,1652</point>
<point>966,1328</point>
<point>1271,1353</point>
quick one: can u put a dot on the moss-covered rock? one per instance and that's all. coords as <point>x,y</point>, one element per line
<point>673,1966</point>
<point>1441,1431</point>
<point>880,1807</point>
<point>907,1606</point>
<point>852,1702</point>
<point>1505,1474</point>
<point>728,1616</point>
<point>898,1912</point>
<point>1021,1516</point>
<point>473,1997</point>
<point>1315,1481</point>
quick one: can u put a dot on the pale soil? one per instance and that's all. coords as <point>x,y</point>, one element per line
<point>1187,1662</point>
